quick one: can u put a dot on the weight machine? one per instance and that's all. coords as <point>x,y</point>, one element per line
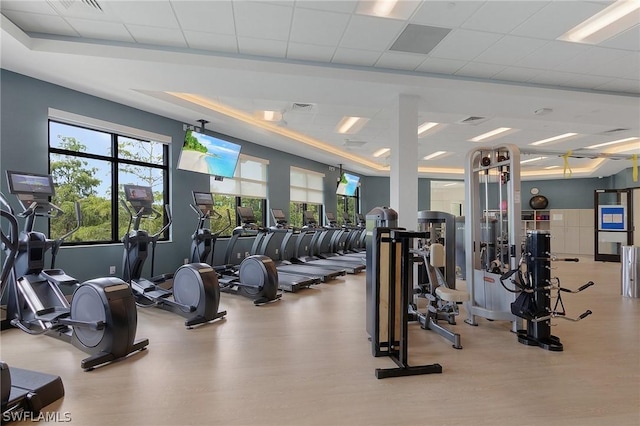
<point>492,236</point>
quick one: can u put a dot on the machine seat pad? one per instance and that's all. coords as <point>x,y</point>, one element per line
<point>451,295</point>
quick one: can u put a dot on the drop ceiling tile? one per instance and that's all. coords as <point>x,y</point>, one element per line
<point>553,78</point>
<point>27,6</point>
<point>399,61</point>
<point>37,23</point>
<point>517,74</point>
<point>440,65</point>
<point>502,16</point>
<point>552,55</point>
<point>157,36</point>
<point>318,27</point>
<point>556,18</point>
<point>479,70</point>
<point>369,33</point>
<point>359,57</point>
<point>464,44</point>
<point>445,14</point>
<point>621,85</point>
<point>262,20</point>
<point>205,16</point>
<point>592,58</point>
<point>509,50</point>
<point>213,42</point>
<point>344,6</point>
<point>262,47</point>
<point>627,67</point>
<point>628,40</point>
<point>588,81</point>
<point>145,13</point>
<point>100,29</point>
<point>310,52</point>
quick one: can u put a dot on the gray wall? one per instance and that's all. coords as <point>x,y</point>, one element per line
<point>624,179</point>
<point>24,104</point>
<point>562,193</point>
<point>24,143</point>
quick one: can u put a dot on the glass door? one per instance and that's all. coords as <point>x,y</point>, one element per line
<point>613,213</point>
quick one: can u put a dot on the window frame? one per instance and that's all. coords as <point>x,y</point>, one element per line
<point>114,161</point>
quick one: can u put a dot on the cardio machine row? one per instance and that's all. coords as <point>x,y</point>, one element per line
<point>296,267</point>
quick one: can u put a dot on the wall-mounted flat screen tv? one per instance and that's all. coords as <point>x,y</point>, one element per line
<point>348,185</point>
<point>208,154</point>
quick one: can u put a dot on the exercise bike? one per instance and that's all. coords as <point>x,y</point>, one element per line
<point>256,277</point>
<point>101,319</point>
<point>194,291</point>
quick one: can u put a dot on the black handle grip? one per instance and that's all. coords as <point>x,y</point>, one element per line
<point>586,314</point>
<point>587,285</point>
<point>508,274</point>
<point>570,259</point>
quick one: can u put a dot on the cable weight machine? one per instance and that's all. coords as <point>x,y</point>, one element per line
<point>492,236</point>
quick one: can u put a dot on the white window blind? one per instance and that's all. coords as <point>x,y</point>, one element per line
<point>249,179</point>
<point>306,186</point>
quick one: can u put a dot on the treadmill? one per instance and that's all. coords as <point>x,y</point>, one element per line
<point>276,244</point>
<point>289,278</point>
<point>307,246</point>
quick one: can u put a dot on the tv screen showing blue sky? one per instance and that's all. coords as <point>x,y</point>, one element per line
<point>348,185</point>
<point>207,154</point>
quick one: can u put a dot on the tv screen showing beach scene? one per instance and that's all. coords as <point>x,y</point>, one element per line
<point>348,185</point>
<point>207,154</point>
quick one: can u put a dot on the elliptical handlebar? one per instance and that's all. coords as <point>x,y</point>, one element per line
<point>78,223</point>
<point>57,243</point>
<point>9,241</point>
<point>167,209</point>
<point>5,203</point>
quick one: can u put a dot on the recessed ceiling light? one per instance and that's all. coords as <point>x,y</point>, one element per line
<point>551,167</point>
<point>611,143</point>
<point>531,160</point>
<point>610,21</point>
<point>351,124</point>
<point>434,155</point>
<point>553,139</point>
<point>492,133</point>
<point>384,7</point>
<point>272,115</point>
<point>381,152</point>
<point>426,126</point>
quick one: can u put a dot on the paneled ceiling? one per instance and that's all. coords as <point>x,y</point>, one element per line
<point>315,62</point>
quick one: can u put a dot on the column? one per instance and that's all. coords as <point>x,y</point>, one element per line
<point>404,161</point>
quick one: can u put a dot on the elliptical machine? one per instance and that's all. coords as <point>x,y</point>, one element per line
<point>196,293</point>
<point>255,278</point>
<point>101,319</point>
<point>22,390</point>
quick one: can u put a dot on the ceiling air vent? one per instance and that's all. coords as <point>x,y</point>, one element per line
<point>68,3</point>
<point>612,131</point>
<point>348,143</point>
<point>297,106</point>
<point>473,120</point>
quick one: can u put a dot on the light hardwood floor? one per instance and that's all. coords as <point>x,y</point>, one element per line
<point>305,360</point>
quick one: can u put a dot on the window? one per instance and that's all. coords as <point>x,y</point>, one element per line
<point>91,166</point>
<point>248,188</point>
<point>350,205</point>
<point>306,193</point>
